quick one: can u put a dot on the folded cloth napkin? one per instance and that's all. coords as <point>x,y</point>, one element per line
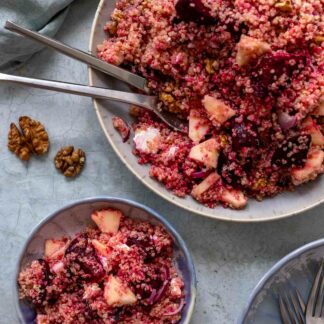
<point>44,16</point>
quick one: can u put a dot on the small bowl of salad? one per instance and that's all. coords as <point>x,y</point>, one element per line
<point>105,260</point>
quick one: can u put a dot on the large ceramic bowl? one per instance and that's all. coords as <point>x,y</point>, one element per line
<point>297,270</point>
<point>287,204</point>
<point>75,217</point>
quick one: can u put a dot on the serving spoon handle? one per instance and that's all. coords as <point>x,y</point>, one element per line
<point>117,72</point>
<point>145,101</point>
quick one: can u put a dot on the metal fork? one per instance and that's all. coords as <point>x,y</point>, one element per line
<point>148,102</point>
<point>292,308</point>
<point>145,101</point>
<point>314,310</point>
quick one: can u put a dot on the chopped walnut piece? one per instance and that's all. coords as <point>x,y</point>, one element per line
<point>17,143</point>
<point>319,39</point>
<point>284,5</point>
<point>111,27</point>
<point>136,111</point>
<point>70,161</point>
<point>166,98</point>
<point>211,66</point>
<point>35,134</point>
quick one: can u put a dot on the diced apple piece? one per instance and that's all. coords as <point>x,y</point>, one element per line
<point>147,140</point>
<point>250,48</point>
<point>55,248</point>
<point>107,220</point>
<point>312,167</point>
<point>198,126</point>
<point>117,294</point>
<point>194,10</point>
<point>203,186</point>
<point>92,290</point>
<point>176,285</point>
<point>122,247</point>
<point>217,110</point>
<point>171,152</point>
<point>100,248</point>
<point>42,319</point>
<point>206,152</point>
<point>310,126</point>
<point>57,267</point>
<point>234,198</point>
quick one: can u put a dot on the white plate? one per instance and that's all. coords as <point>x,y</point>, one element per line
<point>284,205</point>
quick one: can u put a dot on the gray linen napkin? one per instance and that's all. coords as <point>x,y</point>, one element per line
<point>44,16</point>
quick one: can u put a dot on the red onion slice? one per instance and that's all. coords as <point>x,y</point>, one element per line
<point>166,273</point>
<point>286,121</point>
<point>198,175</point>
<point>161,291</point>
<point>151,299</point>
<point>177,310</point>
<point>104,261</point>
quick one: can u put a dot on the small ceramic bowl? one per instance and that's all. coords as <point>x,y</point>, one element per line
<point>73,218</point>
<point>297,270</point>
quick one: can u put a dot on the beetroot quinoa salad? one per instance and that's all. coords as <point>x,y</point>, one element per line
<point>120,272</point>
<point>248,76</point>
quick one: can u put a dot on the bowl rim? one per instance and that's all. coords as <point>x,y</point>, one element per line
<point>272,271</point>
<point>211,215</point>
<point>109,199</point>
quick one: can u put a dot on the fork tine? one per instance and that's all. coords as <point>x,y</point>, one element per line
<point>320,297</point>
<point>313,294</point>
<point>283,311</point>
<point>297,306</point>
<point>291,309</point>
<point>301,302</point>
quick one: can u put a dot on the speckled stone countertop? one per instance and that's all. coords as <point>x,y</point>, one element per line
<point>230,258</point>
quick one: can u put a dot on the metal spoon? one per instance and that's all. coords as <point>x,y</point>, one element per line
<point>149,102</point>
<point>145,101</point>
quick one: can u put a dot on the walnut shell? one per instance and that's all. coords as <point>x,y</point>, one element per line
<point>70,161</point>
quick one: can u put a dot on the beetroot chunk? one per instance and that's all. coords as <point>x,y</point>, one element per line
<point>82,259</point>
<point>272,66</point>
<point>195,11</point>
<point>293,151</point>
<point>145,244</point>
<point>244,135</point>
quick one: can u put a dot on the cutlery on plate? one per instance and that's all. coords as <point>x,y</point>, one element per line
<point>314,308</point>
<point>292,308</point>
<point>145,101</point>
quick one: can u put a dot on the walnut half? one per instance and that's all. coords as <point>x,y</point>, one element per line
<point>32,139</point>
<point>35,134</point>
<point>17,143</point>
<point>70,161</point>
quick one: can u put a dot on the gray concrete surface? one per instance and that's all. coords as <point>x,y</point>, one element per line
<point>230,258</point>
